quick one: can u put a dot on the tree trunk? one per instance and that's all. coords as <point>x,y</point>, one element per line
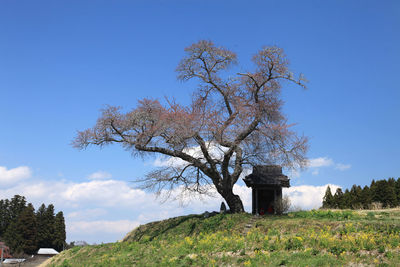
<point>234,202</point>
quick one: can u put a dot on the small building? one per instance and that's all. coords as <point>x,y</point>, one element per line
<point>266,182</point>
<point>47,252</point>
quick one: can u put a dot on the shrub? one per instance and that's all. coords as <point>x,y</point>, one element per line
<point>282,206</point>
<point>375,206</point>
<point>294,243</point>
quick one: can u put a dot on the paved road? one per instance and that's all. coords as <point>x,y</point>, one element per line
<point>31,262</point>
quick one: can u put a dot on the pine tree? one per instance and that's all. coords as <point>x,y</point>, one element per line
<point>366,198</point>
<point>49,224</point>
<point>13,238</point>
<point>328,201</point>
<point>4,216</point>
<point>16,206</point>
<point>346,199</point>
<point>373,189</point>
<point>42,231</point>
<point>391,198</point>
<point>338,198</point>
<point>12,235</point>
<point>21,233</point>
<point>26,225</point>
<point>359,204</point>
<point>59,232</point>
<point>389,192</point>
<point>45,221</point>
<point>398,191</point>
<point>355,197</point>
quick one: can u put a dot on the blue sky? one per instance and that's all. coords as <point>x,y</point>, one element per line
<point>62,61</point>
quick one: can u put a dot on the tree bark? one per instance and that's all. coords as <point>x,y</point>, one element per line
<point>234,202</point>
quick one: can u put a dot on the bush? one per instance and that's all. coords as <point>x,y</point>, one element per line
<point>282,206</point>
<point>375,206</point>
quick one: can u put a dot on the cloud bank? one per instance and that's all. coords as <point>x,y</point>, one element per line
<point>12,176</point>
<point>104,210</point>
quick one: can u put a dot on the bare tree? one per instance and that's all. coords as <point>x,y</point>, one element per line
<point>233,122</point>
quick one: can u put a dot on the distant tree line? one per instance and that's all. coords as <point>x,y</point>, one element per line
<point>25,231</point>
<point>380,194</point>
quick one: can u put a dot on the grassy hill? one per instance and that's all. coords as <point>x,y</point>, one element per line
<point>312,238</point>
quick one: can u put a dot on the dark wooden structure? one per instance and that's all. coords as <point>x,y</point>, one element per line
<point>266,182</point>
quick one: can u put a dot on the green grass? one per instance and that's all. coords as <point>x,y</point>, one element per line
<point>312,238</point>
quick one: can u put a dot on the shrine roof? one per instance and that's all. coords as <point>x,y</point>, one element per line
<point>267,175</point>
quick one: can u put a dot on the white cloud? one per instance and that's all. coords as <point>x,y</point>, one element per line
<point>320,162</point>
<point>86,214</point>
<point>105,210</point>
<point>307,196</point>
<point>99,175</point>
<point>12,176</point>
<point>342,167</point>
<point>316,163</point>
<point>106,226</point>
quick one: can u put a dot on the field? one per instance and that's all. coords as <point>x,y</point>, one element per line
<point>305,238</point>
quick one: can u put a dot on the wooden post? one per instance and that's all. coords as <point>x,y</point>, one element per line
<point>257,201</point>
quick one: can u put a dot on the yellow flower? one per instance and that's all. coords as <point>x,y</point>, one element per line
<point>189,241</point>
<point>247,263</point>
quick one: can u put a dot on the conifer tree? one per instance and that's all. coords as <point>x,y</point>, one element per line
<point>366,198</point>
<point>355,197</point>
<point>45,221</point>
<point>328,201</point>
<point>338,198</point>
<point>398,191</point>
<point>16,206</point>
<point>347,199</point>
<point>13,238</point>
<point>41,226</point>
<point>384,193</point>
<point>392,200</point>
<point>4,216</point>
<point>26,225</point>
<point>59,232</point>
<point>50,222</point>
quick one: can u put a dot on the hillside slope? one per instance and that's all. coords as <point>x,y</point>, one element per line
<point>314,238</point>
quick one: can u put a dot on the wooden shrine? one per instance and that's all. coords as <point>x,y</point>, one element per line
<point>266,182</point>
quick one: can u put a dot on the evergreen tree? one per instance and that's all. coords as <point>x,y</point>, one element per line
<point>358,204</point>
<point>346,199</point>
<point>338,198</point>
<point>26,225</point>
<point>366,198</point>
<point>13,238</point>
<point>373,191</point>
<point>16,206</point>
<point>21,233</point>
<point>391,198</point>
<point>355,197</point>
<point>45,221</point>
<point>23,230</point>
<point>50,223</point>
<point>42,231</point>
<point>398,191</point>
<point>59,232</point>
<point>384,193</point>
<point>328,201</point>
<point>4,216</point>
